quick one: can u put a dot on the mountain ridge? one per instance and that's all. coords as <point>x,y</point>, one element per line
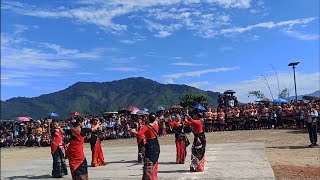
<point>93,97</point>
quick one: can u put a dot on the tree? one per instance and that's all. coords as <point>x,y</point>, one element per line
<point>284,93</point>
<point>257,94</point>
<point>190,100</point>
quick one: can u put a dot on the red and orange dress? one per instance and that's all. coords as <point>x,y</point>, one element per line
<point>141,141</point>
<point>198,148</point>
<point>59,167</point>
<point>77,160</point>
<point>97,153</point>
<point>181,141</point>
<point>152,151</point>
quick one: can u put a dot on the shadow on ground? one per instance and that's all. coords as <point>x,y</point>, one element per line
<point>290,147</point>
<point>175,171</point>
<point>30,177</point>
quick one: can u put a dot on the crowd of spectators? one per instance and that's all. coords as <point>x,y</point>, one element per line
<point>229,115</point>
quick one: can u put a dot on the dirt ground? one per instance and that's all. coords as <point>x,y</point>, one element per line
<point>287,150</point>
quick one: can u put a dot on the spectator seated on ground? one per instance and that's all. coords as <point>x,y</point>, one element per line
<point>113,134</point>
<point>2,142</point>
<point>8,142</point>
<point>45,141</point>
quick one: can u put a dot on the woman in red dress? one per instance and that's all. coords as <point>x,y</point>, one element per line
<point>199,143</point>
<point>77,160</point>
<point>141,141</point>
<point>97,153</point>
<point>150,168</point>
<point>59,168</point>
<point>181,139</point>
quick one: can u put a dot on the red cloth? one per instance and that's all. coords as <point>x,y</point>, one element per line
<point>57,141</point>
<point>97,155</point>
<point>153,175</point>
<point>181,152</point>
<point>147,132</point>
<point>199,168</point>
<point>197,126</point>
<point>174,124</point>
<point>75,152</point>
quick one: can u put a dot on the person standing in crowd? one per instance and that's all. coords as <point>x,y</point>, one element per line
<point>75,153</point>
<point>221,119</point>
<point>150,168</point>
<point>236,118</point>
<point>181,139</point>
<point>312,126</point>
<point>95,143</point>
<point>199,143</point>
<point>59,168</point>
<point>208,121</point>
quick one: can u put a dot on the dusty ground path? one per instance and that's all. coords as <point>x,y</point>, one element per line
<point>286,150</point>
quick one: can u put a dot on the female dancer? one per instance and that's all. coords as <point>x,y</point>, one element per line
<point>199,143</point>
<point>97,153</point>
<point>141,141</point>
<point>77,160</point>
<point>58,151</point>
<point>150,168</point>
<point>181,139</point>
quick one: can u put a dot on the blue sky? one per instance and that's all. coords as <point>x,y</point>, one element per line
<point>210,44</point>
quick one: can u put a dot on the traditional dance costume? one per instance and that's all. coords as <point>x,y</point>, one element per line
<point>59,167</point>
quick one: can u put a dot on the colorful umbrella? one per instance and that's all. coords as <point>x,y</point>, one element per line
<point>53,114</point>
<point>145,109</point>
<point>141,112</point>
<point>199,107</point>
<point>23,119</point>
<point>280,101</point>
<point>229,92</point>
<point>176,107</point>
<point>132,108</point>
<point>75,114</point>
<point>160,108</point>
<point>134,112</point>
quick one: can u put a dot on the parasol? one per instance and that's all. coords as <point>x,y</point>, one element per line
<point>280,101</point>
<point>176,107</point>
<point>23,119</point>
<point>75,114</point>
<point>229,92</point>
<point>160,108</point>
<point>132,108</point>
<point>199,107</point>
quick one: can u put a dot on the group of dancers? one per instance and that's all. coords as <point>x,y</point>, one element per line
<point>75,151</point>
<point>148,146</point>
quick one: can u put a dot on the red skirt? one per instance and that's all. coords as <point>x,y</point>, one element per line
<point>181,152</point>
<point>97,155</point>
<point>150,170</point>
<point>197,165</point>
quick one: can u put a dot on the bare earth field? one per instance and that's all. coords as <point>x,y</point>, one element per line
<point>287,151</point>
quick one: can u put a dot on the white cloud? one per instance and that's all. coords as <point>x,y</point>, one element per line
<point>199,84</point>
<point>162,17</point>
<point>306,83</point>
<point>232,3</point>
<point>102,13</point>
<point>125,69</point>
<point>127,41</point>
<point>269,25</point>
<point>301,36</point>
<point>199,73</point>
<point>185,64</point>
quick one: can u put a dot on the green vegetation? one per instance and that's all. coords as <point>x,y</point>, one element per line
<point>93,98</point>
<point>190,100</point>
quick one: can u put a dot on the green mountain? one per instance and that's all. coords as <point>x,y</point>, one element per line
<point>92,97</point>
